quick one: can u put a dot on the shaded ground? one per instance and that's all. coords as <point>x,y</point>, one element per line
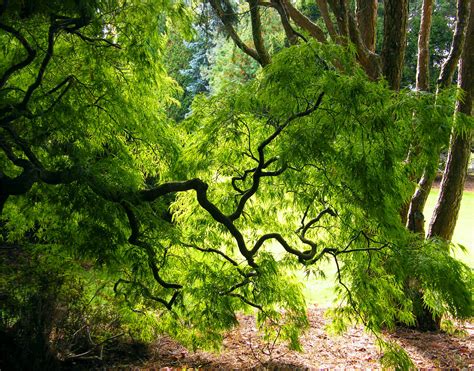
<point>243,349</point>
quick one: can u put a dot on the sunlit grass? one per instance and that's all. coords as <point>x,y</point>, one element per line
<point>320,291</point>
<point>464,232</point>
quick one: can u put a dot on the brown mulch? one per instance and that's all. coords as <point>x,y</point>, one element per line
<point>244,349</point>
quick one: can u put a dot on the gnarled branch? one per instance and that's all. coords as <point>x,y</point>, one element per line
<point>31,53</point>
<point>229,27</point>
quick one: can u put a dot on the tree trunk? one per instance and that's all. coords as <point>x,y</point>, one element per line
<point>394,41</point>
<point>340,10</point>
<point>418,201</point>
<point>447,208</point>
<point>304,22</point>
<point>425,320</point>
<point>415,219</point>
<point>323,9</point>
<point>449,66</point>
<point>257,33</point>
<point>422,70</point>
<point>366,15</point>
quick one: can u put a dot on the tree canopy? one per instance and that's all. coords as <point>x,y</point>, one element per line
<point>187,219</point>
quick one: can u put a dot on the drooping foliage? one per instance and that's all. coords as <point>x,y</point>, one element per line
<point>344,158</point>
<point>192,223</point>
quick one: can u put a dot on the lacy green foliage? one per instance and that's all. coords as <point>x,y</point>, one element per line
<point>108,126</point>
<point>284,314</point>
<point>207,306</point>
<point>394,356</point>
<point>116,97</point>
<point>432,124</point>
<point>347,155</point>
<point>463,124</point>
<point>447,283</point>
<point>303,147</point>
<point>376,285</point>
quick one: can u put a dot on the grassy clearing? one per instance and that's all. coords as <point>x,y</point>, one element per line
<point>320,291</point>
<point>464,232</point>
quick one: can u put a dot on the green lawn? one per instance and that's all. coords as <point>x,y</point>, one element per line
<point>464,232</point>
<point>320,291</point>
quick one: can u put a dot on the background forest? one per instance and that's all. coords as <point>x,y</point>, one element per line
<point>166,166</point>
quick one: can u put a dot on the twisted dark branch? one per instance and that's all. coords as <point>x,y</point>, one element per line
<point>25,62</point>
<point>227,22</point>
<point>68,81</point>
<point>134,239</point>
<point>241,178</point>
<point>94,40</point>
<point>23,145</point>
<point>306,255</point>
<point>201,192</point>
<point>147,292</point>
<point>245,282</point>
<point>349,293</point>
<point>53,28</point>
<point>246,301</point>
<point>262,164</point>
<point>347,250</point>
<point>303,229</point>
<point>218,252</point>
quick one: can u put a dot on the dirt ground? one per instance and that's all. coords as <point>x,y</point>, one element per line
<point>243,349</point>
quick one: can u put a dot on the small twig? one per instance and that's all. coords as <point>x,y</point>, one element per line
<point>246,301</point>
<point>81,355</point>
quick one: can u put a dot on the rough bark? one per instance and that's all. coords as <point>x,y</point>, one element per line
<point>290,33</point>
<point>304,22</point>
<point>415,220</point>
<point>366,16</point>
<point>227,22</point>
<point>257,33</point>
<point>394,41</point>
<point>348,30</point>
<point>445,78</point>
<point>446,211</point>
<point>452,185</point>
<point>341,11</point>
<point>422,70</point>
<point>323,8</point>
<point>369,60</point>
<point>449,66</point>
